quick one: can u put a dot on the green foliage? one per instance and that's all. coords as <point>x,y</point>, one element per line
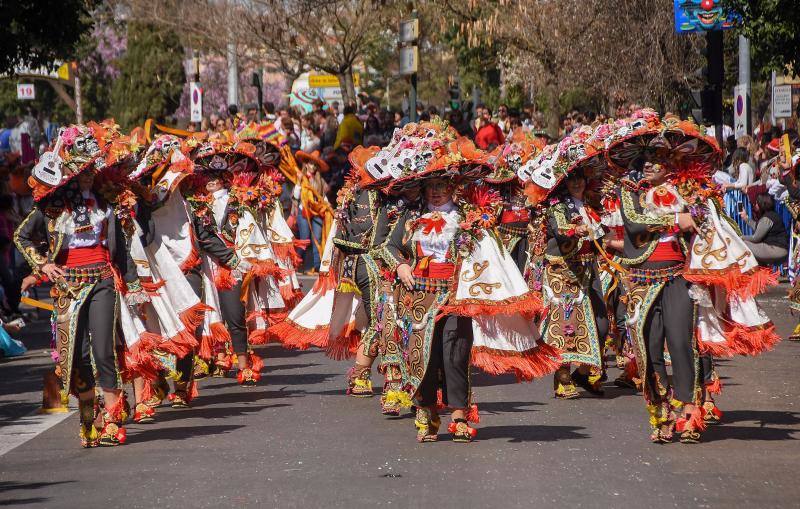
<point>37,32</point>
<point>46,101</point>
<point>773,27</point>
<point>151,76</point>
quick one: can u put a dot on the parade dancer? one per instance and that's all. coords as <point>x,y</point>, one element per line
<point>690,279</point>
<point>237,195</point>
<point>82,227</point>
<point>167,259</point>
<point>576,321</point>
<point>461,301</point>
<point>367,216</point>
<point>515,217</point>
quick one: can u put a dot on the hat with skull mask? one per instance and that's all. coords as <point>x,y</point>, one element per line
<point>678,143</point>
<point>97,147</point>
<point>166,151</point>
<point>434,150</point>
<point>507,159</point>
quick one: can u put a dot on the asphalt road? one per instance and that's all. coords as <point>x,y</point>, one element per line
<point>298,441</point>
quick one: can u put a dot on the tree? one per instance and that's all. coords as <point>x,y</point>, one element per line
<point>773,27</point>
<point>619,50</point>
<point>288,36</point>
<point>36,33</point>
<point>151,76</point>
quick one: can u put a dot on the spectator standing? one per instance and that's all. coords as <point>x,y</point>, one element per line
<point>503,120</point>
<point>309,141</point>
<point>741,171</point>
<point>350,132</point>
<point>489,135</point>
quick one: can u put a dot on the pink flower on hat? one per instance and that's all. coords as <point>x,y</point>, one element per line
<point>69,135</point>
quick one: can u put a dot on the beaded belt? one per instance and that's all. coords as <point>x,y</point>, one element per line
<point>654,276</point>
<point>88,274</point>
<point>430,284</point>
<point>517,231</point>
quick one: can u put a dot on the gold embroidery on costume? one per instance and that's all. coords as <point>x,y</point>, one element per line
<point>476,288</point>
<point>477,269</point>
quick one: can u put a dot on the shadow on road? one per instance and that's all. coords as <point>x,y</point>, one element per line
<point>213,413</point>
<point>495,407</point>
<point>182,433</point>
<point>518,433</point>
<point>24,501</point>
<point>6,486</point>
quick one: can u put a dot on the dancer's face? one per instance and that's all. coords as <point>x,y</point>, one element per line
<point>213,185</point>
<point>85,180</point>
<point>576,186</point>
<point>438,191</point>
<point>654,173</point>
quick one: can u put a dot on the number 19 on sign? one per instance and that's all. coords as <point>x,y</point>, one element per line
<point>26,91</point>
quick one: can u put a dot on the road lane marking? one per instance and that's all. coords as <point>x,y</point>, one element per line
<point>27,427</point>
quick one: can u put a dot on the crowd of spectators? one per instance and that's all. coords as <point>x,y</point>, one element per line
<point>330,131</point>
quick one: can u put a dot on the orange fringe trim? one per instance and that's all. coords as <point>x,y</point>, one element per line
<point>258,337</point>
<point>191,261</point>
<point>287,254</point>
<point>537,362</point>
<point>715,386</point>
<point>473,415</point>
<point>152,288</point>
<point>255,362</point>
<point>116,410</point>
<point>219,336</point>
<point>224,279</point>
<point>527,305</point>
<point>744,286</point>
<point>325,282</point>
<point>345,345</point>
<point>139,361</point>
<point>741,340</point>
<point>193,317</point>
<point>181,344</point>
<point>291,335</point>
<point>268,268</point>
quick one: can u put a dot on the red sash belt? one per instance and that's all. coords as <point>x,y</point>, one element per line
<point>667,252</point>
<point>83,256</point>
<point>515,216</point>
<point>437,270</point>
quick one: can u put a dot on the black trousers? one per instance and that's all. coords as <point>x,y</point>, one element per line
<point>94,339</point>
<point>671,323</point>
<point>233,313</point>
<point>448,365</point>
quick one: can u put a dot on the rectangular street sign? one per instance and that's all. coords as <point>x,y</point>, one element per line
<point>782,101</point>
<point>196,102</point>
<point>740,119</point>
<point>26,91</point>
<point>409,59</point>
<point>409,30</point>
<point>330,81</point>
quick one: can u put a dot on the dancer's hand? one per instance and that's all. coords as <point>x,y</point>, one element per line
<point>28,281</point>
<point>52,271</point>
<point>686,223</point>
<point>405,275</point>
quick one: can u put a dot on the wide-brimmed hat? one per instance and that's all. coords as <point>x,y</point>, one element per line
<point>167,150</point>
<point>266,139</point>
<point>359,157</point>
<point>313,158</point>
<point>459,160</point>
<point>669,139</point>
<point>507,159</point>
<point>98,147</point>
